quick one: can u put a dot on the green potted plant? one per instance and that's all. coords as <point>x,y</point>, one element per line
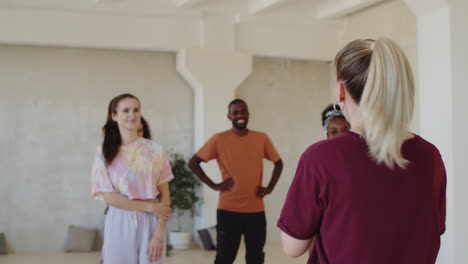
<point>183,189</point>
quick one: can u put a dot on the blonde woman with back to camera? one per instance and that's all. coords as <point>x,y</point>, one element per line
<point>376,193</point>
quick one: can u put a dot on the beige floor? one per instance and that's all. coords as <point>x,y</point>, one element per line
<point>273,252</point>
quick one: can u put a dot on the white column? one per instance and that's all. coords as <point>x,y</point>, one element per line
<point>443,66</point>
<point>436,96</point>
<point>459,108</point>
<point>214,76</point>
<point>214,70</point>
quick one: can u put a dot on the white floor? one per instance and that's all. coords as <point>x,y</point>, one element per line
<point>273,255</point>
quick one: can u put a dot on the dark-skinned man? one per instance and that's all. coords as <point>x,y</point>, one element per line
<point>239,152</point>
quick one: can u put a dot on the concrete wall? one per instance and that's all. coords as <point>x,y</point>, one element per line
<point>285,98</point>
<point>52,106</point>
<point>53,102</point>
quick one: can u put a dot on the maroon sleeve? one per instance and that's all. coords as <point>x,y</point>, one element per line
<point>303,209</point>
<point>443,201</point>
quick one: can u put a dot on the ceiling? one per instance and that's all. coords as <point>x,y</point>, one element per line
<point>294,11</point>
<point>305,29</point>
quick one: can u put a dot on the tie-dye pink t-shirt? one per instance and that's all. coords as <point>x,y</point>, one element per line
<point>136,171</point>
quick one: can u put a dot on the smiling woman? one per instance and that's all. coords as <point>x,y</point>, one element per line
<point>122,114</point>
<point>129,171</point>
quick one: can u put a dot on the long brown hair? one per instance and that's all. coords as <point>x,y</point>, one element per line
<point>110,130</point>
<point>146,128</point>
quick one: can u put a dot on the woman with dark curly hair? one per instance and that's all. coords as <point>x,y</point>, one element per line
<point>333,121</point>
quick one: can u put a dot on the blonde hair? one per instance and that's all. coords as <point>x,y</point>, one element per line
<point>379,78</point>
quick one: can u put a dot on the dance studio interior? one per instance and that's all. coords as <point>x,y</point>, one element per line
<point>61,62</point>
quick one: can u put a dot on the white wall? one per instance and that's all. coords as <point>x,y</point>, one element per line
<point>97,29</point>
<point>313,41</point>
<point>391,19</point>
<point>162,29</point>
<point>286,99</point>
<point>52,106</point>
<point>459,22</point>
<point>443,60</point>
<point>435,76</point>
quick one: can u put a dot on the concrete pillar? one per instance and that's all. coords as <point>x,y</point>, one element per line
<point>459,180</point>
<point>443,65</point>
<point>214,76</point>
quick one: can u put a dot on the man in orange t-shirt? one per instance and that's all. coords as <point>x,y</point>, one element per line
<point>239,152</point>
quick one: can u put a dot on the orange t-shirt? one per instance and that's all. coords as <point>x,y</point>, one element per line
<point>240,157</point>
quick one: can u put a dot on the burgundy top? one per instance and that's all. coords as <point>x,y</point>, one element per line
<point>365,213</point>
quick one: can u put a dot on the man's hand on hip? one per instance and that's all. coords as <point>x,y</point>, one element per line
<point>225,185</point>
<point>262,191</point>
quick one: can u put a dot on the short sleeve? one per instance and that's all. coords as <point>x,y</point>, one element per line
<point>270,151</point>
<point>210,150</point>
<point>166,170</point>
<point>302,212</point>
<point>100,181</point>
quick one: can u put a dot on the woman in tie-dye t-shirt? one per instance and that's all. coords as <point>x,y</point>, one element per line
<point>128,173</point>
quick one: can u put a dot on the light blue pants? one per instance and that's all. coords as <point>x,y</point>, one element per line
<point>127,235</point>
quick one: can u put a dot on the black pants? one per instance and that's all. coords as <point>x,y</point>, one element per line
<point>230,227</point>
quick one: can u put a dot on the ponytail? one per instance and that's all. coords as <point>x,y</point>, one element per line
<point>146,128</point>
<point>380,80</point>
<point>112,141</point>
<point>387,102</point>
